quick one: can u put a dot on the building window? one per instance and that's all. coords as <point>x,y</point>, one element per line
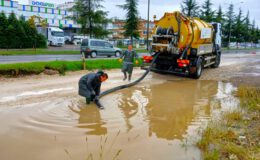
<point>23,7</point>
<point>12,3</point>
<point>52,11</point>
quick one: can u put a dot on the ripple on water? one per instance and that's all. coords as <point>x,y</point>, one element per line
<point>135,120</point>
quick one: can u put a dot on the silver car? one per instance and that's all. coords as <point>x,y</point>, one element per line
<point>96,47</point>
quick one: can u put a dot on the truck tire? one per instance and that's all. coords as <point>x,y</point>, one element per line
<point>217,61</point>
<point>198,70</point>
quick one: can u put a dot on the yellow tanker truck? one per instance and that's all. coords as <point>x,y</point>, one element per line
<point>185,45</point>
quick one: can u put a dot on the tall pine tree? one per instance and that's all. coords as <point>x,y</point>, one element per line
<point>239,28</point>
<point>131,25</point>
<point>247,34</point>
<point>207,13</point>
<point>219,17</point>
<point>190,8</point>
<point>254,38</point>
<point>92,18</point>
<point>229,25</point>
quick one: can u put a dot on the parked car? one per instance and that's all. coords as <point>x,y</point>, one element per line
<point>96,47</point>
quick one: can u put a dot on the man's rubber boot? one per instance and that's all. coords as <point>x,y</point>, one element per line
<point>88,100</point>
<point>125,76</point>
<point>129,77</point>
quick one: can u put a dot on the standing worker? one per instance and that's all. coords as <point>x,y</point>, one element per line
<point>90,84</point>
<point>128,62</point>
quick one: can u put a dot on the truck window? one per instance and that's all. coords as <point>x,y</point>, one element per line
<point>57,34</point>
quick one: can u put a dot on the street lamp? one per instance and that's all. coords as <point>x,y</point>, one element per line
<point>148,23</point>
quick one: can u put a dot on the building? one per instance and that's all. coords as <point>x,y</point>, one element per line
<point>55,16</point>
<point>117,29</point>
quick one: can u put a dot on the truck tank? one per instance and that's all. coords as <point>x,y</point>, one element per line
<point>187,31</point>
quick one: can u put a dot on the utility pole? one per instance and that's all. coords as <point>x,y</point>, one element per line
<point>90,20</point>
<point>148,25</point>
<point>229,34</point>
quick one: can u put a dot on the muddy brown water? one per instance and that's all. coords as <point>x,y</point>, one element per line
<point>146,122</point>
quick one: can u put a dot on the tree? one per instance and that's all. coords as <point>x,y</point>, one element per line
<point>206,12</point>
<point>229,25</point>
<point>190,8</point>
<point>3,30</point>
<point>254,38</point>
<point>247,34</point>
<point>15,32</point>
<point>219,17</point>
<point>131,24</point>
<point>239,28</point>
<point>93,20</point>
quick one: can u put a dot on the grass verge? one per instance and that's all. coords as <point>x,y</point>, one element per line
<point>46,52</point>
<point>237,135</point>
<point>60,66</point>
<point>36,52</point>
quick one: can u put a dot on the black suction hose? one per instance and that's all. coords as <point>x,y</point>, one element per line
<point>97,102</point>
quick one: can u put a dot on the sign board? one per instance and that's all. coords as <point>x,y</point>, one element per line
<point>41,4</point>
<point>206,33</point>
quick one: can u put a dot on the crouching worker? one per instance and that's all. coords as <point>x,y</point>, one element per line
<point>90,84</point>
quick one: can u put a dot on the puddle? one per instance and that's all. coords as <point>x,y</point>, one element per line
<point>159,121</point>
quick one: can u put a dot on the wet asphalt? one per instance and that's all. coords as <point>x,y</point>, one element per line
<point>75,57</point>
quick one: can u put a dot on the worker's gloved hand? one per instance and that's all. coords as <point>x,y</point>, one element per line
<point>96,99</point>
<point>136,62</point>
<point>93,95</point>
<point>120,60</point>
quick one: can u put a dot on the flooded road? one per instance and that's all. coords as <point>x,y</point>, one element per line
<point>154,120</point>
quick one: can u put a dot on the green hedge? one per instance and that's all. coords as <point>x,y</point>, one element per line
<point>61,66</point>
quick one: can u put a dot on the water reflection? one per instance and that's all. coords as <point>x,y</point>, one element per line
<point>170,107</point>
<point>90,119</point>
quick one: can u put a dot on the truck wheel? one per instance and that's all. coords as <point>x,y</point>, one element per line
<point>217,61</point>
<point>198,70</point>
<point>117,54</point>
<point>93,54</point>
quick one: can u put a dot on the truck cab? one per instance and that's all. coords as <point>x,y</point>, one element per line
<point>55,36</point>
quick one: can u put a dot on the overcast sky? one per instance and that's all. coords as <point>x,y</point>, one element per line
<point>158,7</point>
